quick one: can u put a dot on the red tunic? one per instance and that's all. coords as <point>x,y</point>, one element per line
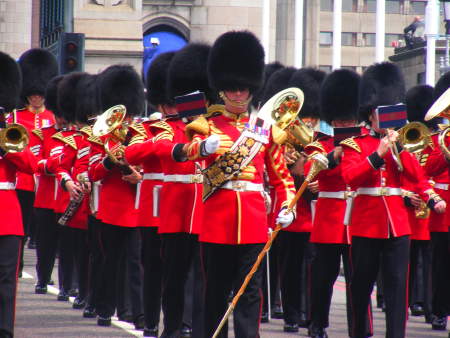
<point>328,226</point>
<point>181,209</point>
<point>438,170</point>
<point>147,199</point>
<point>30,120</point>
<point>377,216</point>
<point>239,217</point>
<point>10,209</point>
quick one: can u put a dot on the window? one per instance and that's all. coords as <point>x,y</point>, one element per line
<point>391,39</point>
<point>326,38</point>
<point>353,68</point>
<point>394,6</point>
<point>51,22</point>
<point>349,5</point>
<point>326,69</point>
<point>370,6</point>
<point>417,7</point>
<point>369,39</point>
<point>348,39</point>
<point>326,5</point>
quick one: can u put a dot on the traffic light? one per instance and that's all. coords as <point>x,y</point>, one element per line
<point>71,52</point>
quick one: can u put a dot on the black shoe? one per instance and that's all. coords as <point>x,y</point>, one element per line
<point>126,318</point>
<point>416,310</point>
<point>290,327</point>
<point>303,320</point>
<point>439,323</point>
<point>89,312</point>
<point>104,321</point>
<point>318,332</point>
<point>51,282</point>
<point>31,245</point>
<point>186,331</point>
<point>151,332</point>
<point>428,318</point>
<point>78,303</point>
<point>264,317</point>
<point>277,312</point>
<point>63,296</point>
<point>73,293</point>
<point>139,322</point>
<point>40,289</point>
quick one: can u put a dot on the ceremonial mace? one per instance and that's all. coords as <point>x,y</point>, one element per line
<point>319,163</point>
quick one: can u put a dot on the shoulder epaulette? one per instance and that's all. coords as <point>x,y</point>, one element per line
<point>317,145</point>
<point>199,126</point>
<point>162,125</point>
<point>38,133</point>
<point>136,139</point>
<point>139,128</point>
<point>351,143</point>
<point>87,130</point>
<point>70,140</point>
<point>215,109</point>
<point>95,139</point>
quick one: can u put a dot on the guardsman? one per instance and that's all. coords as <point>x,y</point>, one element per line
<point>148,199</point>
<point>179,230</point>
<point>38,67</point>
<point>418,100</point>
<point>118,84</point>
<point>235,225</point>
<point>380,235</point>
<point>437,167</point>
<point>11,229</point>
<point>44,145</point>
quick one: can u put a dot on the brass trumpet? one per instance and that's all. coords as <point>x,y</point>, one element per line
<point>14,138</point>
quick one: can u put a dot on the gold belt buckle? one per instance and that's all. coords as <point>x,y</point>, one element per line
<point>383,191</point>
<point>239,186</point>
<point>348,194</point>
<point>196,178</point>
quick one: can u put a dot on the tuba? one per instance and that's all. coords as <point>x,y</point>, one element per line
<point>14,138</point>
<point>441,108</point>
<point>414,137</point>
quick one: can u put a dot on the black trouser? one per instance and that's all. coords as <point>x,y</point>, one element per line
<point>46,243</point>
<point>26,201</point>
<point>9,263</point>
<point>440,274</point>
<point>152,263</point>
<point>291,255</point>
<point>114,241</point>
<point>366,256</point>
<point>134,273</point>
<point>95,259</point>
<point>274,276</point>
<point>226,267</point>
<point>420,274</point>
<point>325,270</point>
<point>178,251</point>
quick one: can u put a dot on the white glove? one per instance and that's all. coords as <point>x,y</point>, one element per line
<point>284,218</point>
<point>321,158</point>
<point>210,145</point>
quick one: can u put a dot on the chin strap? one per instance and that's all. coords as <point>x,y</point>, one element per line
<point>235,103</point>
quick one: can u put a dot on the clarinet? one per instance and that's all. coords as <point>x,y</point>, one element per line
<point>73,204</point>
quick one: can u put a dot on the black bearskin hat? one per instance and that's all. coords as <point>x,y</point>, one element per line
<point>88,100</point>
<point>381,84</point>
<point>309,81</point>
<point>418,100</point>
<point>157,79</point>
<point>269,69</point>
<point>51,95</point>
<point>277,82</point>
<point>339,98</point>
<point>187,72</point>
<point>441,86</point>
<point>10,82</point>
<point>67,98</point>
<point>121,84</point>
<point>236,61</point>
<point>38,66</point>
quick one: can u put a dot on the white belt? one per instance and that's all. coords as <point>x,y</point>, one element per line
<point>442,186</point>
<point>243,186</point>
<point>7,186</point>
<point>342,195</point>
<point>154,176</point>
<point>184,178</point>
<point>379,191</point>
